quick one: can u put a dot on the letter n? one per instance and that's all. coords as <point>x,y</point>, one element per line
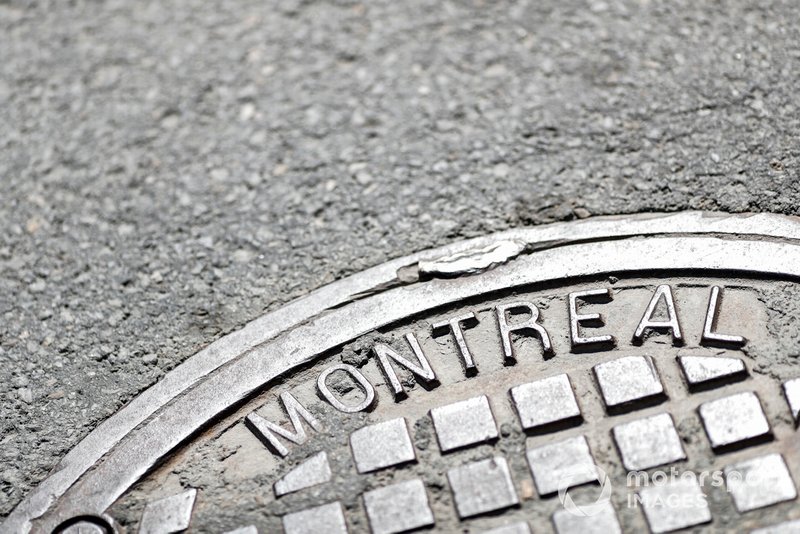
<point>423,370</point>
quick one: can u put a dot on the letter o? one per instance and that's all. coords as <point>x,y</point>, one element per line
<point>369,391</point>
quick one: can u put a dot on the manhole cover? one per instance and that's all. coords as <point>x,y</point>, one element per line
<point>618,374</point>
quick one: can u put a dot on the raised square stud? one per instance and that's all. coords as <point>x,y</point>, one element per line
<point>680,503</point>
<point>382,445</point>
<point>566,463</point>
<point>545,403</point>
<point>315,470</point>
<point>791,390</point>
<point>734,421</point>
<point>760,482</point>
<point>398,508</point>
<point>328,518</point>
<point>789,527</point>
<point>628,382</point>
<point>464,423</point>
<point>703,372</point>
<point>170,514</point>
<point>602,520</point>
<point>481,487</point>
<point>648,442</point>
<point>514,528</point>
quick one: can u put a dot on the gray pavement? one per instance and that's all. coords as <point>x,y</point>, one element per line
<point>169,171</point>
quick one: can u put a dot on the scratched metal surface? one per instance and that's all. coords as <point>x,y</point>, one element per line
<point>166,176</point>
<point>707,245</point>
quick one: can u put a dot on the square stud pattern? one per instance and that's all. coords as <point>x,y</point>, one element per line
<point>603,520</point>
<point>760,482</point>
<point>545,402</point>
<point>464,423</point>
<point>481,487</point>
<point>677,504</point>
<point>328,518</point>
<point>628,380</point>
<point>648,442</point>
<point>566,463</point>
<point>382,445</point>
<point>734,420</point>
<point>398,508</point>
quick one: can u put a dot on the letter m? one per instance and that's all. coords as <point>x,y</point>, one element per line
<point>266,430</point>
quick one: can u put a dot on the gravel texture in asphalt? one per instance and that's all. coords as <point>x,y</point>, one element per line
<point>169,171</point>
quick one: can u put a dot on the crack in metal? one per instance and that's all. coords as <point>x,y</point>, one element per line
<point>472,261</point>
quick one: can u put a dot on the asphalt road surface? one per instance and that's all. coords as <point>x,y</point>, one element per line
<point>168,172</point>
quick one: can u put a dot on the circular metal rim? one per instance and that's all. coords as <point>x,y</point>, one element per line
<point>139,435</point>
<point>106,523</point>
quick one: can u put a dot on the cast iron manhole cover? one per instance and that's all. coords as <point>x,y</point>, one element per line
<point>614,374</point>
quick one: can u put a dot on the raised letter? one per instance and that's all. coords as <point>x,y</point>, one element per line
<point>709,336</point>
<point>423,370</point>
<point>589,319</point>
<point>526,326</point>
<point>672,317</point>
<point>456,327</point>
<point>369,391</point>
<point>264,429</point>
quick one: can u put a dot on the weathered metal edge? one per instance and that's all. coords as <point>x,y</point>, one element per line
<point>258,332</point>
